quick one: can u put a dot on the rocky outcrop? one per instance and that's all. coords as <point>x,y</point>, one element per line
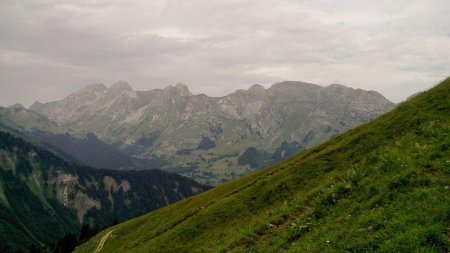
<point>286,112</point>
<point>41,192</point>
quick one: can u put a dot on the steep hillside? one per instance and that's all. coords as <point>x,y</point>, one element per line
<point>91,151</point>
<point>384,186</point>
<point>203,137</point>
<point>82,148</point>
<point>19,118</point>
<point>43,197</point>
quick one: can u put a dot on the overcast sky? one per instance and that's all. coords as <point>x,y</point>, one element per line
<point>49,49</point>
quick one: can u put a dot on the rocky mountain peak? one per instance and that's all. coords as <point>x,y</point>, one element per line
<point>257,88</point>
<point>86,94</point>
<point>95,87</point>
<point>162,122</point>
<point>294,84</point>
<point>17,106</point>
<point>293,88</point>
<point>180,89</point>
<point>257,91</point>
<point>118,91</point>
<point>121,85</point>
<point>337,86</point>
<point>35,106</point>
<point>342,88</point>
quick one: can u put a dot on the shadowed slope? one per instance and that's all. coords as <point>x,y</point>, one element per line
<point>384,186</point>
<point>44,197</point>
<point>203,137</point>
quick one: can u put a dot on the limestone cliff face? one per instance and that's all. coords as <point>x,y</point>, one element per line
<point>165,122</point>
<point>288,109</point>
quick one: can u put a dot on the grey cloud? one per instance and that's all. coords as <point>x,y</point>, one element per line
<point>50,48</point>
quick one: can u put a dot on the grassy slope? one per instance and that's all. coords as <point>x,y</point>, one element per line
<point>382,187</point>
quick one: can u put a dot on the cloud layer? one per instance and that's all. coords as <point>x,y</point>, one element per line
<point>50,48</point>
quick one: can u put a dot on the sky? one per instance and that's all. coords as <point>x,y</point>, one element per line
<point>49,49</point>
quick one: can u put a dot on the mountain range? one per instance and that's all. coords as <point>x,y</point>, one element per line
<point>84,149</point>
<point>212,139</point>
<point>380,187</point>
<point>93,157</point>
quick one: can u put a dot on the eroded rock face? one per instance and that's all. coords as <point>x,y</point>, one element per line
<point>177,120</point>
<point>42,192</point>
<point>70,192</point>
<point>287,109</point>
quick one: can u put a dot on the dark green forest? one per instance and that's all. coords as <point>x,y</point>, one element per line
<point>33,211</point>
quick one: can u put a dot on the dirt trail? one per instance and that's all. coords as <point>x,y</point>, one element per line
<point>102,241</point>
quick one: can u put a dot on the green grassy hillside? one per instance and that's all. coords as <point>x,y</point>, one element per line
<point>384,186</point>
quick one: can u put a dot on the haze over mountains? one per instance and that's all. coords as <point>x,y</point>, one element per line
<point>381,187</point>
<point>224,126</point>
<point>63,164</point>
<point>204,137</point>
